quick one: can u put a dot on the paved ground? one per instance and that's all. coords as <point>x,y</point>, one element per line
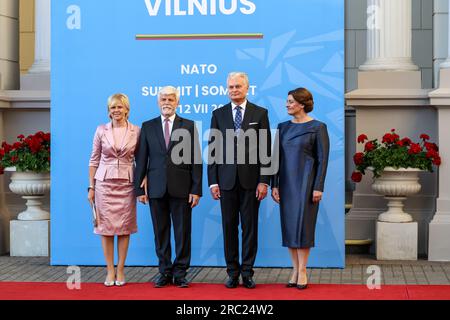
<point>356,272</point>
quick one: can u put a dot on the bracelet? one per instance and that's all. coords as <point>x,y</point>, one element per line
<point>90,187</point>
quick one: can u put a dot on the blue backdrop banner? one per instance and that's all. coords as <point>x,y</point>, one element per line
<point>135,47</point>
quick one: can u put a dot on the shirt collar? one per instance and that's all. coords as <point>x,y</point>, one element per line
<point>172,118</point>
<point>243,105</point>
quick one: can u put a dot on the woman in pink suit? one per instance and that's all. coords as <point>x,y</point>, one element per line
<point>111,184</point>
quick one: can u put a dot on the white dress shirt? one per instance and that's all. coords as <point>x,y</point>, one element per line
<point>243,106</point>
<point>233,108</point>
<point>171,120</point>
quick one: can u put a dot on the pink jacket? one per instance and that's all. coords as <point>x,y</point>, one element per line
<point>112,163</point>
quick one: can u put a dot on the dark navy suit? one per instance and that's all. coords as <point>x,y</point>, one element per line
<point>238,183</point>
<point>169,186</point>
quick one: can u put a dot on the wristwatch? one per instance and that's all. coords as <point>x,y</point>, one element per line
<point>90,187</point>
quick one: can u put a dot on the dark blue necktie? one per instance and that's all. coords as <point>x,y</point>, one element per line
<point>238,119</point>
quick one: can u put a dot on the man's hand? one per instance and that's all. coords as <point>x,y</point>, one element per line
<point>193,200</point>
<point>144,185</point>
<point>261,191</point>
<point>276,195</point>
<point>317,196</point>
<point>215,192</point>
<point>144,198</point>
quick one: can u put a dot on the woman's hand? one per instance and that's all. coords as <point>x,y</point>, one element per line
<point>276,195</point>
<point>317,196</point>
<point>91,196</point>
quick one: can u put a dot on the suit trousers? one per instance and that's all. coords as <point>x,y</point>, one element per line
<point>164,212</point>
<point>240,204</point>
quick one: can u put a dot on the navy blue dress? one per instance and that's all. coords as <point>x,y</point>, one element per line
<point>303,151</point>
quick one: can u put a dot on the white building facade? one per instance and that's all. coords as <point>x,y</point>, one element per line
<point>397,75</point>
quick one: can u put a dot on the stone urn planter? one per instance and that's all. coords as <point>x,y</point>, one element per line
<point>32,187</point>
<point>396,185</point>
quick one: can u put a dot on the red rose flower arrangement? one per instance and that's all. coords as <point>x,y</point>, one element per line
<point>396,152</point>
<point>30,153</point>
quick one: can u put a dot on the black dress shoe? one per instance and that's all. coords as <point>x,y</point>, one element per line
<point>248,282</point>
<point>181,283</point>
<point>232,283</point>
<point>163,281</point>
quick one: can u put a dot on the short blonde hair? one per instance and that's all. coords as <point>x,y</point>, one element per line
<point>124,101</point>
<point>169,90</point>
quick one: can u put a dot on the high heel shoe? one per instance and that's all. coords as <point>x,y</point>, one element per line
<point>302,286</point>
<point>120,283</point>
<point>291,284</point>
<point>110,275</point>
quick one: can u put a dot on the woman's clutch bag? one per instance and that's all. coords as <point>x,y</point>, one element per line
<point>94,215</point>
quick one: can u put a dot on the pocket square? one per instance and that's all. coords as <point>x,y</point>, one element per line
<point>252,123</point>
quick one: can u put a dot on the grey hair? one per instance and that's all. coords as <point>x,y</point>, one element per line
<point>238,74</point>
<point>169,90</point>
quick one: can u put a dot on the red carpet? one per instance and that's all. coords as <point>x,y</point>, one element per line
<point>202,291</point>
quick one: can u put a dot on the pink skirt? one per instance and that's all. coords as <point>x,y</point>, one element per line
<point>115,203</point>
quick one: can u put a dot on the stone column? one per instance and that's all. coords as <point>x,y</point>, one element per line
<point>439,227</point>
<point>9,80</point>
<point>446,63</point>
<point>26,238</point>
<point>9,45</point>
<point>42,37</point>
<point>390,95</point>
<point>4,212</point>
<point>389,35</point>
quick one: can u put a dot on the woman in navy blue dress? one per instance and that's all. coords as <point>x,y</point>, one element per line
<point>303,148</point>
